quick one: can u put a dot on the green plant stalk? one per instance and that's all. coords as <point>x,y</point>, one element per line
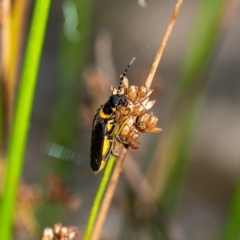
<point>232,230</point>
<point>17,144</point>
<point>98,198</point>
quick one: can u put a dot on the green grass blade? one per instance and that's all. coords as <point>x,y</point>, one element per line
<point>232,229</point>
<point>98,198</point>
<point>22,115</point>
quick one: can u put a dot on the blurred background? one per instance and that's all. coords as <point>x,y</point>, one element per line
<point>192,166</point>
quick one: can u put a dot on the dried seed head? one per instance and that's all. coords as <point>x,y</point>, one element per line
<point>57,228</point>
<point>72,233</point>
<point>138,109</point>
<point>48,234</point>
<point>125,111</point>
<point>125,131</point>
<point>63,232</point>
<point>149,92</point>
<point>118,118</point>
<point>141,126</point>
<point>142,92</point>
<point>150,104</point>
<point>60,232</point>
<point>147,123</point>
<point>152,121</point>
<point>144,118</point>
<point>133,132</point>
<point>134,145</point>
<point>155,130</point>
<point>129,133</point>
<point>135,136</point>
<point>132,92</point>
<point>130,121</point>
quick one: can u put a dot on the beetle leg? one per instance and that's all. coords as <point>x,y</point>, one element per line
<point>119,139</point>
<point>106,156</point>
<point>117,147</point>
<point>115,154</point>
<point>109,134</point>
<point>112,117</point>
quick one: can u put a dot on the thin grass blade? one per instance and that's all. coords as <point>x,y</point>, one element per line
<point>17,144</point>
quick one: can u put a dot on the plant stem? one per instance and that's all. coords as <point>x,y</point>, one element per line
<point>118,168</point>
<point>163,44</point>
<point>17,144</point>
<point>108,196</point>
<point>4,63</point>
<point>98,198</point>
<point>231,229</point>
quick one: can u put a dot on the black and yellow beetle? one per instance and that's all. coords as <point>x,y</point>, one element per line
<point>104,128</point>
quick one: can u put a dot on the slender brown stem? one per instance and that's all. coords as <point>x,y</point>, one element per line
<point>5,60</point>
<point>19,18</point>
<point>163,44</point>
<point>118,167</point>
<point>108,196</point>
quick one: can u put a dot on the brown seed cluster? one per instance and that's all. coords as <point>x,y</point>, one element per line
<point>134,118</point>
<point>60,232</point>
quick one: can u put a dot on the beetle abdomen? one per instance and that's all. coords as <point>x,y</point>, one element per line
<point>97,140</point>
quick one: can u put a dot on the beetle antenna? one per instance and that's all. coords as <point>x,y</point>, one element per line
<point>131,62</point>
<point>124,74</point>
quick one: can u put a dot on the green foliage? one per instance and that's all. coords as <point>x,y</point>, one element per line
<point>98,198</point>
<point>232,230</point>
<point>17,144</point>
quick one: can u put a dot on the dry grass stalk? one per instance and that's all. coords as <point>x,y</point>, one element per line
<point>5,58</point>
<point>13,20</point>
<point>108,196</point>
<point>19,18</point>
<point>118,167</point>
<point>163,44</point>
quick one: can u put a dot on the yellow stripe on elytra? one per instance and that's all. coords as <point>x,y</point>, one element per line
<point>103,163</point>
<point>106,142</point>
<point>105,149</point>
<point>103,115</point>
<point>106,145</point>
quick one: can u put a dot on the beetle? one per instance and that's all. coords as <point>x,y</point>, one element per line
<point>104,128</point>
